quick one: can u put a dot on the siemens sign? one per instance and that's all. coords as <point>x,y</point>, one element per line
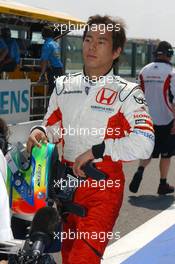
<point>15,100</point>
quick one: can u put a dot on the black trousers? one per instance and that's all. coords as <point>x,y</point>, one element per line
<point>52,74</point>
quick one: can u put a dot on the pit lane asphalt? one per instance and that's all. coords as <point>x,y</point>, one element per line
<point>142,206</point>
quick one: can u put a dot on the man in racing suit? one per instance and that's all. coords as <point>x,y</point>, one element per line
<point>97,116</point>
<point>157,82</point>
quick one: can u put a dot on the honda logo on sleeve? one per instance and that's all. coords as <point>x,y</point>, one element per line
<point>106,96</point>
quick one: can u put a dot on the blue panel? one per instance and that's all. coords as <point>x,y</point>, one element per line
<point>160,250</point>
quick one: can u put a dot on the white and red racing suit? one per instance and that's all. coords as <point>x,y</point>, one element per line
<point>83,114</point>
<point>157,82</point>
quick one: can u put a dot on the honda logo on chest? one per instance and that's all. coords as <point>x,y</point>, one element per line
<point>106,96</point>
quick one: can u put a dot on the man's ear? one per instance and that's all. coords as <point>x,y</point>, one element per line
<point>116,53</point>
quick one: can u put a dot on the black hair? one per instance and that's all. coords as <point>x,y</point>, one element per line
<point>118,29</point>
<point>47,32</point>
<point>164,48</point>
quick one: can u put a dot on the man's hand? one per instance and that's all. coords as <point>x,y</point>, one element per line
<point>35,137</point>
<point>80,161</point>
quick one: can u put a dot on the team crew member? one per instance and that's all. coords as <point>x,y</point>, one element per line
<point>9,50</point>
<point>93,115</point>
<point>156,80</point>
<point>3,50</point>
<point>5,229</point>
<point>50,58</point>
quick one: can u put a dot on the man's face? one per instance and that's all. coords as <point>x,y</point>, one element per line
<point>97,51</point>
